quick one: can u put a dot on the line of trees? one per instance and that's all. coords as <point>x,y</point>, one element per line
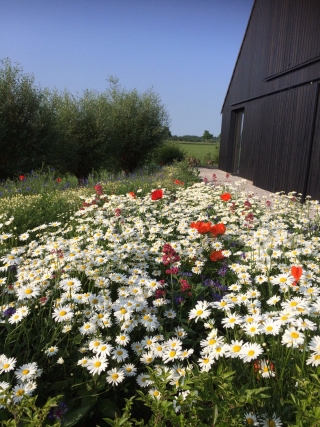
<point>115,130</point>
<point>206,137</point>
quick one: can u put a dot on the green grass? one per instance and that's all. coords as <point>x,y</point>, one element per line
<point>202,151</point>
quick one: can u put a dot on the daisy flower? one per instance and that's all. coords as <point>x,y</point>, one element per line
<point>205,362</point>
<point>129,370</point>
<point>292,338</point>
<point>273,421</point>
<point>143,380</point>
<point>250,351</point>
<point>27,372</point>
<point>231,320</point>
<point>200,311</point>
<point>233,350</point>
<point>115,376</point>
<point>271,327</point>
<point>250,419</point>
<point>155,393</point>
<point>6,363</point>
<point>119,354</point>
<point>96,365</point>
<point>51,351</point>
<point>313,359</point>
<point>62,314</point>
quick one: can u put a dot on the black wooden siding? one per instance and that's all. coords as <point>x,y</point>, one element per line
<point>275,81</point>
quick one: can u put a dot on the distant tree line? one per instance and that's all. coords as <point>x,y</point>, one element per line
<point>194,138</point>
<point>115,130</point>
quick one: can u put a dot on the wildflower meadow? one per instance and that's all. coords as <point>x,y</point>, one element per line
<point>183,305</point>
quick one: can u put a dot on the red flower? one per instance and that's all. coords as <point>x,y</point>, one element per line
<point>21,177</point>
<point>218,229</point>
<point>156,195</point>
<point>216,256</point>
<point>176,181</point>
<point>296,272</point>
<point>225,197</point>
<point>202,227</point>
<point>99,189</point>
<point>58,179</point>
<point>132,194</point>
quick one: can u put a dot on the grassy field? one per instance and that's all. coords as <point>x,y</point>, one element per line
<point>202,151</point>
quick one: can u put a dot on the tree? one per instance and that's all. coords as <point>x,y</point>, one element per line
<point>82,123</point>
<point>207,135</point>
<point>27,134</point>
<point>137,125</point>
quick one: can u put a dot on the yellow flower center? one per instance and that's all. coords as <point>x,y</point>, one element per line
<point>97,364</point>
<point>212,341</point>
<point>20,392</point>
<point>172,353</point>
<point>25,372</point>
<point>295,335</point>
<point>199,312</point>
<point>272,423</point>
<point>206,360</point>
<point>250,352</point>
<point>115,376</point>
<point>62,313</point>
<point>269,328</point>
<point>123,311</point>
<point>28,291</point>
<point>293,303</point>
<point>6,365</point>
<point>282,280</point>
<point>236,348</point>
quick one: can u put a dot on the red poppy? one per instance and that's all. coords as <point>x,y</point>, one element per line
<point>21,177</point>
<point>202,227</point>
<point>156,194</point>
<point>58,179</point>
<point>216,256</point>
<point>132,194</point>
<point>296,272</point>
<point>176,181</point>
<point>218,229</point>
<point>99,189</point>
<point>225,197</point>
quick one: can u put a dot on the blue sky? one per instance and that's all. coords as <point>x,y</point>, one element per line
<point>185,49</point>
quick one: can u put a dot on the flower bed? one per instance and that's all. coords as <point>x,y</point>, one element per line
<point>204,303</point>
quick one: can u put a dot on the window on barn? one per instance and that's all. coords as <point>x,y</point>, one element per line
<point>238,117</point>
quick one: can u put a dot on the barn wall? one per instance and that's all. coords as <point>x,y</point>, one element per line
<point>275,80</point>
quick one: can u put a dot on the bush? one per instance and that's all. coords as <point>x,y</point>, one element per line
<point>167,153</point>
<point>27,134</point>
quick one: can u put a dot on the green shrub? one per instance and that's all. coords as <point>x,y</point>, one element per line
<point>168,153</point>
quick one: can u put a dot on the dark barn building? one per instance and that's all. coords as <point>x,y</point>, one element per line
<point>271,114</point>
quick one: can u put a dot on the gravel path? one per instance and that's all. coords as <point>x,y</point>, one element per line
<point>222,178</point>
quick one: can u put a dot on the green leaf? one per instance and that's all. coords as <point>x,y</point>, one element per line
<point>75,416</point>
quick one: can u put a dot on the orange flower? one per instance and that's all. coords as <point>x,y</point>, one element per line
<point>218,229</point>
<point>225,197</point>
<point>296,272</point>
<point>202,227</point>
<point>216,256</point>
<point>132,194</point>
<point>176,181</point>
<point>58,179</point>
<point>156,194</point>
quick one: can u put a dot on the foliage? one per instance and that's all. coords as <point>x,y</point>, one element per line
<point>27,132</point>
<point>83,124</point>
<point>138,124</point>
<point>186,306</point>
<point>167,153</point>
<point>207,136</point>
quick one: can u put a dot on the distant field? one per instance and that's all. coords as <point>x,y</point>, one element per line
<point>201,151</point>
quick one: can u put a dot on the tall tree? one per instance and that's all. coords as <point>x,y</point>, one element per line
<point>207,135</point>
<point>27,134</point>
